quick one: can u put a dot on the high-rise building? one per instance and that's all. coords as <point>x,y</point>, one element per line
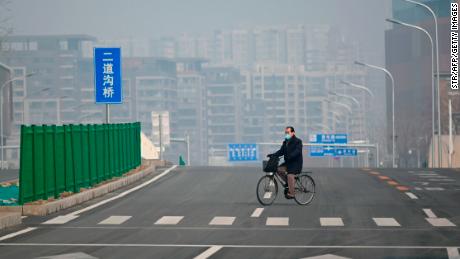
<point>191,108</point>
<point>408,58</point>
<point>223,106</point>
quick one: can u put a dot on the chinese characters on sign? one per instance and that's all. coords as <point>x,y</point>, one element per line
<point>242,152</point>
<point>107,75</point>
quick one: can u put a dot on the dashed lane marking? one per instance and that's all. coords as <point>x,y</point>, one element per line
<point>440,222</point>
<point>429,213</point>
<point>386,222</point>
<point>60,219</point>
<point>222,221</point>
<point>267,195</point>
<point>208,252</point>
<point>434,189</point>
<point>331,222</point>
<point>114,220</point>
<point>452,253</point>
<point>277,221</point>
<point>17,233</point>
<point>257,212</point>
<point>411,195</point>
<point>169,220</point>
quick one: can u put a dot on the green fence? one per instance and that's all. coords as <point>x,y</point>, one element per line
<point>56,159</point>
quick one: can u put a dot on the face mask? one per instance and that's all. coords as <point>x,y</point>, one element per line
<point>287,136</point>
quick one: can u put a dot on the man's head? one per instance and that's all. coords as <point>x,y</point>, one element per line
<point>289,132</point>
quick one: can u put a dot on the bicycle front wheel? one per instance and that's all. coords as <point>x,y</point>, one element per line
<point>304,189</point>
<point>267,189</point>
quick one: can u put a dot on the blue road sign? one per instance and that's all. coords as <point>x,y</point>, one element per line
<point>346,152</point>
<point>329,138</point>
<point>316,151</point>
<point>107,75</point>
<point>319,151</point>
<point>242,152</point>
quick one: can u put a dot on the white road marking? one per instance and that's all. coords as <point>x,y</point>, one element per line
<point>452,253</point>
<point>277,221</point>
<point>272,183</point>
<point>17,233</point>
<point>23,217</point>
<point>114,220</point>
<point>428,175</point>
<point>326,256</point>
<point>222,221</point>
<point>386,222</point>
<point>441,180</point>
<point>257,212</point>
<point>411,195</point>
<point>61,219</point>
<point>169,220</point>
<point>440,222</point>
<point>434,189</point>
<point>418,188</point>
<point>223,246</point>
<point>429,213</point>
<point>329,222</point>
<point>267,195</point>
<point>208,252</point>
<point>167,171</point>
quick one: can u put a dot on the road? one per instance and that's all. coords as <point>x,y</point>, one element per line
<point>213,211</point>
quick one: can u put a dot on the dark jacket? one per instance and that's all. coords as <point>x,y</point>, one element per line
<point>292,151</point>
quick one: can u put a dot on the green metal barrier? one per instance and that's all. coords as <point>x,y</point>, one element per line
<point>56,159</point>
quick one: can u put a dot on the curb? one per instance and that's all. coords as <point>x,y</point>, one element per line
<point>78,198</point>
<point>9,219</point>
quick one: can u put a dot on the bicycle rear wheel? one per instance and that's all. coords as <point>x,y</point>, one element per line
<point>267,190</point>
<point>304,189</point>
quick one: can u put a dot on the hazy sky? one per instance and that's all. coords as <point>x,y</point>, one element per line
<point>362,20</point>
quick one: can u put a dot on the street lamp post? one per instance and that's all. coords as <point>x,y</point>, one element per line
<point>1,112</point>
<point>437,71</point>
<point>432,82</point>
<point>367,90</point>
<point>392,102</point>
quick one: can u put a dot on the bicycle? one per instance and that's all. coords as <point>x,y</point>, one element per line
<point>267,186</point>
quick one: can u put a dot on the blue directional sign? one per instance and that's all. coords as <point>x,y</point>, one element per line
<point>329,138</point>
<point>318,151</point>
<point>346,152</point>
<point>107,75</point>
<point>242,152</point>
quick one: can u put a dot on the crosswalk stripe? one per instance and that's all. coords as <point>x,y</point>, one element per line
<point>440,222</point>
<point>277,221</point>
<point>169,220</point>
<point>330,222</point>
<point>386,222</point>
<point>411,195</point>
<point>222,221</point>
<point>429,213</point>
<point>114,220</point>
<point>257,212</point>
<point>452,253</point>
<point>208,252</point>
<point>434,188</point>
<point>267,195</point>
<point>60,219</point>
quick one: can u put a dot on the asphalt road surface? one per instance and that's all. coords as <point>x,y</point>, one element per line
<point>212,212</point>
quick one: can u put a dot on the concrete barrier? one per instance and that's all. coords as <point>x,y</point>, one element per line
<point>9,219</point>
<point>78,198</point>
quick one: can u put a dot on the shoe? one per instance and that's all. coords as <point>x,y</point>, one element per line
<point>289,196</point>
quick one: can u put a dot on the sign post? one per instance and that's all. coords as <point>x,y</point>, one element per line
<point>107,78</point>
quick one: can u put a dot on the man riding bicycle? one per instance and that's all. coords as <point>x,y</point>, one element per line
<point>291,149</point>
